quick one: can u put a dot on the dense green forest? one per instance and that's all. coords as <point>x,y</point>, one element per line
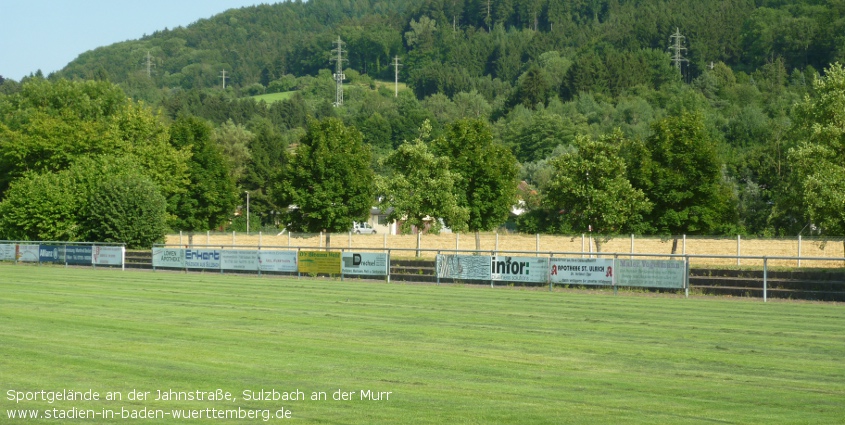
<point>738,130</point>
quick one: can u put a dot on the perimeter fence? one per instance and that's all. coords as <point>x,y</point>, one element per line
<point>703,250</point>
<point>662,272</point>
<point>68,253</point>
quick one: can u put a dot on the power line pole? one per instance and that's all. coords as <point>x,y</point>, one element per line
<point>677,46</point>
<point>488,20</point>
<point>223,76</point>
<point>396,66</point>
<point>338,75</point>
<point>149,65</point>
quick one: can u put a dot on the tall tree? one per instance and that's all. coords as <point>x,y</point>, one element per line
<point>421,190</point>
<point>819,160</point>
<point>680,172</point>
<point>211,196</point>
<point>590,191</point>
<point>488,171</point>
<point>328,182</point>
<point>47,126</point>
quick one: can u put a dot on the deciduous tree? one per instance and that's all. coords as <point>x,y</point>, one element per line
<point>328,182</point>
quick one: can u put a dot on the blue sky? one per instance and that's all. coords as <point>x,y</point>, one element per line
<point>48,34</point>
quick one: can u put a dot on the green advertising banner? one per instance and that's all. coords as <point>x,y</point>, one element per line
<point>651,273</point>
<point>319,262</point>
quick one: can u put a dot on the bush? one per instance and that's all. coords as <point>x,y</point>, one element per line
<point>128,209</point>
<point>253,89</point>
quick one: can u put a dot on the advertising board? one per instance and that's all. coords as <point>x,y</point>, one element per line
<point>651,273</point>
<point>51,253</point>
<point>519,269</point>
<point>319,262</point>
<point>202,258</point>
<point>239,259</point>
<point>27,253</point>
<point>79,255</point>
<point>581,271</point>
<point>364,263</point>
<point>7,252</point>
<point>470,267</point>
<point>277,261</point>
<point>107,255</point>
<point>169,258</point>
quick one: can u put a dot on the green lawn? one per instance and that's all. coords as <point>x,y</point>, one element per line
<point>446,354</point>
<point>274,97</point>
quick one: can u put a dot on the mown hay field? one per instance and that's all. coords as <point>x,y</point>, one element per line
<point>404,245</point>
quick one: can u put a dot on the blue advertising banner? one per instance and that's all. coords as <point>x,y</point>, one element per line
<point>79,255</point>
<point>202,258</point>
<point>51,254</point>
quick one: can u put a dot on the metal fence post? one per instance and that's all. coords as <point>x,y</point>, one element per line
<point>765,278</point>
<point>437,267</point>
<point>632,245</point>
<point>799,250</point>
<point>388,266</point>
<point>613,281</point>
<point>738,250</point>
<point>686,276</point>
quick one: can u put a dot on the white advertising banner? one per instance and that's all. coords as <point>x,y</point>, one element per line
<point>7,252</point>
<point>239,259</point>
<point>28,253</point>
<point>651,273</point>
<point>519,269</point>
<point>277,261</point>
<point>202,258</point>
<point>581,271</point>
<point>475,267</point>
<point>364,263</point>
<point>169,257</point>
<point>107,255</point>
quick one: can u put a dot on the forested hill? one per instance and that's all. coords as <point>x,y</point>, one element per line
<point>449,45</point>
<point>734,129</point>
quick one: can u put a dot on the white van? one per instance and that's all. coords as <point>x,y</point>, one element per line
<point>362,228</point>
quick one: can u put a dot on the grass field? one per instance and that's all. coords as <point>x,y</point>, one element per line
<point>274,97</point>
<point>447,354</point>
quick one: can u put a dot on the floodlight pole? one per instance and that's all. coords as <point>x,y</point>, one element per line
<point>247,212</point>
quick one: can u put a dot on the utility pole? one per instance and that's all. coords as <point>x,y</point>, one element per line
<point>677,46</point>
<point>396,66</point>
<point>149,65</point>
<point>223,76</point>
<point>338,75</point>
<point>488,20</point>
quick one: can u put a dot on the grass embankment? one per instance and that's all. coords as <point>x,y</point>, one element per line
<point>447,354</point>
